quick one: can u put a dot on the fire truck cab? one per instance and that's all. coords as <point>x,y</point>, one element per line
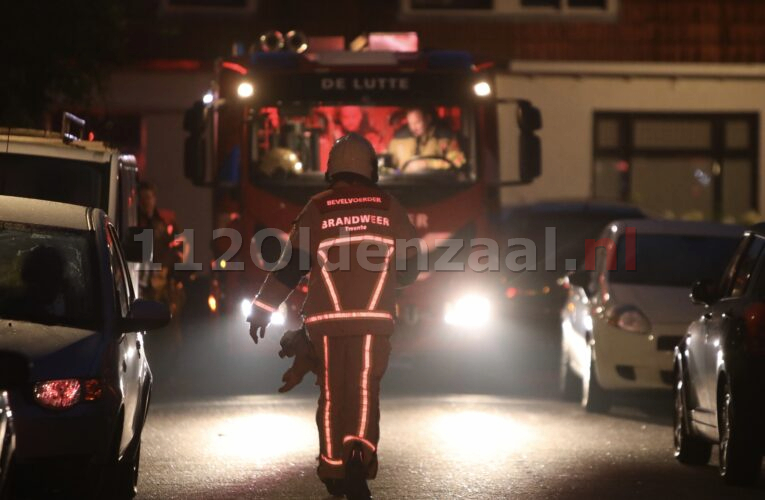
<point>261,138</point>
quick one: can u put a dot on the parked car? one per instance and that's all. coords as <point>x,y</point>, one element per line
<point>67,303</point>
<point>719,368</point>
<point>14,373</point>
<point>626,314</point>
<point>537,293</point>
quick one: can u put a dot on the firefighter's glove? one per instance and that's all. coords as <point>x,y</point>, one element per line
<point>258,320</point>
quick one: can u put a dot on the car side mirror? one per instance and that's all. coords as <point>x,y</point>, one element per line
<point>529,146</point>
<point>195,123</point>
<point>580,279</point>
<point>145,315</point>
<point>14,370</point>
<point>703,292</point>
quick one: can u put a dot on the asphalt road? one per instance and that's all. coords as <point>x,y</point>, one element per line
<point>453,426</point>
<point>439,447</point>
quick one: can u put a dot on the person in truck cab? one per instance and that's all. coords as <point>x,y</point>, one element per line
<point>421,143</point>
<point>355,120</point>
<point>349,308</point>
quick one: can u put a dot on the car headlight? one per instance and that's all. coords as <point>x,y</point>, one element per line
<point>469,310</point>
<point>630,319</point>
<point>65,393</point>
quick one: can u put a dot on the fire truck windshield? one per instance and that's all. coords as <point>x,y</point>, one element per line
<point>291,144</point>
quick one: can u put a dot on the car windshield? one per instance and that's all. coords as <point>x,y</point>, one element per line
<point>77,182</point>
<point>291,144</point>
<point>47,276</point>
<point>673,260</point>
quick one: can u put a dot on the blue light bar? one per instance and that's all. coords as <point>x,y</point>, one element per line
<point>280,60</point>
<point>449,59</point>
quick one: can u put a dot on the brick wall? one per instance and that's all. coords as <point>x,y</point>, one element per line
<point>645,30</point>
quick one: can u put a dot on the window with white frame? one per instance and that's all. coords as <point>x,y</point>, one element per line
<point>679,165</point>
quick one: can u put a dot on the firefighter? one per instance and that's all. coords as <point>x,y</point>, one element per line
<point>348,235</point>
<point>163,284</point>
<point>355,119</point>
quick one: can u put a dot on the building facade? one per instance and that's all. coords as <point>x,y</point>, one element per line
<point>653,102</point>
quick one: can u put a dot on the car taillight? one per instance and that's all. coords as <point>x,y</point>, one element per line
<point>65,393</point>
<point>754,317</point>
<point>93,389</point>
<point>58,393</point>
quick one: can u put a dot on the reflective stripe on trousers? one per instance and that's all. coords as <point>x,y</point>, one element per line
<point>349,404</point>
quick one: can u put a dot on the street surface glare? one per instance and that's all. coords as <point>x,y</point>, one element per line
<point>462,446</point>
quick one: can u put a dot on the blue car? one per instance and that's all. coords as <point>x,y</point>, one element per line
<point>67,303</point>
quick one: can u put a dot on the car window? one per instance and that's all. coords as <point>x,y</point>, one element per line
<point>64,180</point>
<point>123,264</point>
<point>673,260</point>
<point>745,267</point>
<point>726,282</point>
<point>601,257</point>
<point>757,286</point>
<point>48,275</point>
<point>121,293</point>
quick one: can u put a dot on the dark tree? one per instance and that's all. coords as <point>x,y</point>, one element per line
<point>55,53</point>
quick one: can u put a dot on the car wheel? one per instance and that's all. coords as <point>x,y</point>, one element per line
<point>120,477</point>
<point>7,482</point>
<point>740,461</point>
<point>569,384</point>
<point>595,399</point>
<point>125,477</point>
<point>689,449</point>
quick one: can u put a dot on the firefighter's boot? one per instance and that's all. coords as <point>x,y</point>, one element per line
<point>335,487</point>
<point>356,476</point>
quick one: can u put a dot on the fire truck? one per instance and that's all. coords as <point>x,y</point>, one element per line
<point>261,138</point>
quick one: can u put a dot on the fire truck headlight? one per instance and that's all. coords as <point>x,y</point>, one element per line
<point>278,318</point>
<point>482,89</point>
<point>245,90</point>
<point>246,307</point>
<point>469,311</point>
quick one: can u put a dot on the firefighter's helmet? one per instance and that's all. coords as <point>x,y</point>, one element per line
<point>354,154</point>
